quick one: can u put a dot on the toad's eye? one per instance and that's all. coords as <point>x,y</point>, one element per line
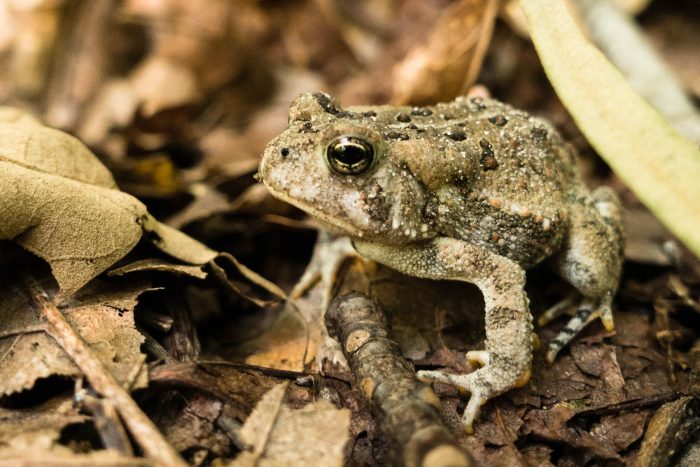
<point>349,155</point>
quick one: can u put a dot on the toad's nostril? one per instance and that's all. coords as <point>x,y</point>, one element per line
<point>284,152</point>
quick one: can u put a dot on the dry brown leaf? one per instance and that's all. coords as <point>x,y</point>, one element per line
<point>450,60</point>
<point>31,437</point>
<point>226,267</point>
<point>620,431</point>
<point>42,452</point>
<point>286,345</point>
<point>552,425</point>
<point>102,315</point>
<point>190,425</point>
<point>58,201</point>
<point>206,203</point>
<point>42,421</point>
<point>280,436</point>
<point>159,265</point>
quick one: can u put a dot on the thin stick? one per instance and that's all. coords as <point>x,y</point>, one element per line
<point>142,428</point>
<point>406,410</point>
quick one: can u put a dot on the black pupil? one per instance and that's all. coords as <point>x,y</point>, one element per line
<point>350,155</point>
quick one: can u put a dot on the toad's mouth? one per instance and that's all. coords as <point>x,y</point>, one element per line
<point>346,227</point>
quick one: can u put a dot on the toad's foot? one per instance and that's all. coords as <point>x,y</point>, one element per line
<point>330,351</point>
<point>586,312</point>
<point>483,384</point>
<point>330,252</point>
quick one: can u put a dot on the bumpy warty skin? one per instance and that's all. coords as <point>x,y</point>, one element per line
<point>470,190</point>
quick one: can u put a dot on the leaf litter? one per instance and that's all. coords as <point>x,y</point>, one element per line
<point>175,112</point>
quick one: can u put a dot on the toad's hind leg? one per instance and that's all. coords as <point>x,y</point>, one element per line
<point>591,261</point>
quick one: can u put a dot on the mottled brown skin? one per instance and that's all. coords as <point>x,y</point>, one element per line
<point>471,190</point>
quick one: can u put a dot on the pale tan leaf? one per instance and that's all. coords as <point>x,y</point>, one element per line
<point>176,243</point>
<point>27,143</point>
<point>60,202</point>
<point>280,436</point>
<point>616,33</point>
<point>658,164</point>
<point>160,83</point>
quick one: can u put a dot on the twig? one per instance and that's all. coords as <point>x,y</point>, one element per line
<point>199,375</point>
<point>153,347</point>
<point>141,427</point>
<point>407,410</point>
<point>107,423</point>
<point>232,428</point>
<point>274,372</point>
<point>21,332</point>
<point>632,404</point>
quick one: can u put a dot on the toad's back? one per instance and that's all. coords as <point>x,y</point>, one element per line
<point>515,200</point>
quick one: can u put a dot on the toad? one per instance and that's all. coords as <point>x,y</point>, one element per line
<point>472,190</point>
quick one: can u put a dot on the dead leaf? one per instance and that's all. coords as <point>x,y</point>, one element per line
<point>43,452</point>
<point>28,37</point>
<point>552,425</point>
<point>285,345</point>
<point>159,84</point>
<point>159,265</point>
<point>192,426</point>
<point>31,437</point>
<point>59,202</point>
<point>207,202</point>
<point>102,315</point>
<point>674,427</point>
<point>621,430</point>
<point>76,76</point>
<point>280,436</point>
<point>44,420</point>
<point>225,268</point>
<point>450,60</point>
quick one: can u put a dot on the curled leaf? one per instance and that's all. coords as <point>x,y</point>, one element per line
<point>58,201</point>
<point>449,62</point>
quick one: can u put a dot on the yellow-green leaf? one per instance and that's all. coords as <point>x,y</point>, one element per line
<point>656,162</point>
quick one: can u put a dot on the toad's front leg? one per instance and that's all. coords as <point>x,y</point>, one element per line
<point>505,363</point>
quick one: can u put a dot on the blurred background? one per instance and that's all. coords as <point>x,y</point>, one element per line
<point>178,98</point>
